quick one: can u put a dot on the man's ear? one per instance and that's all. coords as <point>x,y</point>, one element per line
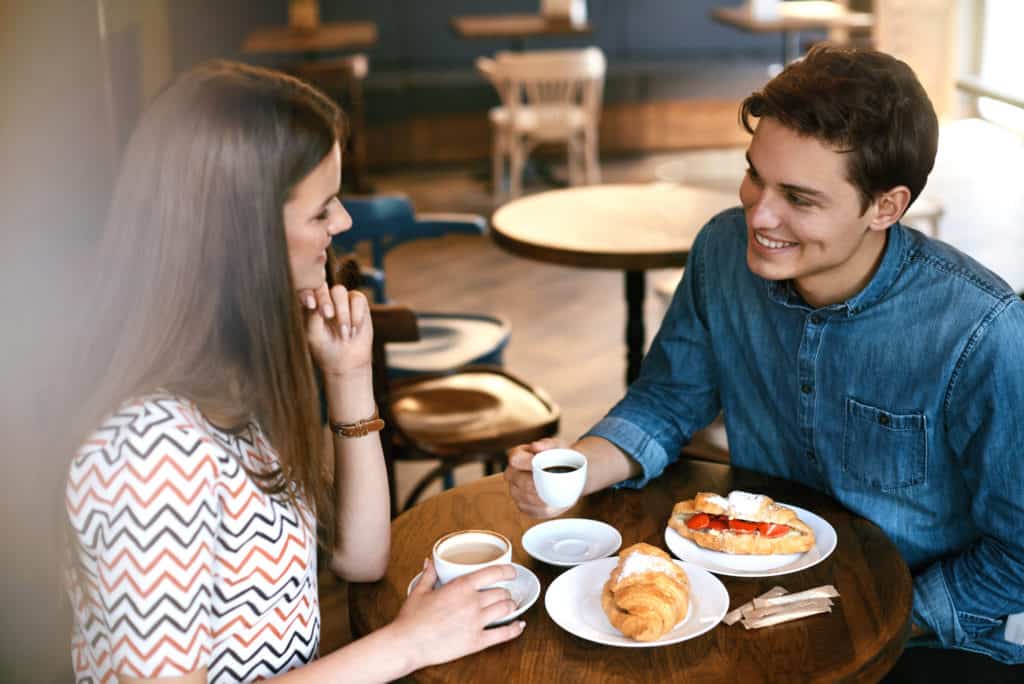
<point>889,207</point>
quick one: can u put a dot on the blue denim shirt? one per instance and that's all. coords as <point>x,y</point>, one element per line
<point>905,403</point>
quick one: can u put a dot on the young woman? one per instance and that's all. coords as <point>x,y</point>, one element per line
<point>194,499</point>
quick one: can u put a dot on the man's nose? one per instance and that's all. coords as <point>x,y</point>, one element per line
<point>764,212</point>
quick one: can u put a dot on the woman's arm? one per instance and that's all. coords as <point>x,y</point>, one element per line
<point>434,626</point>
<point>340,337</point>
<point>362,508</point>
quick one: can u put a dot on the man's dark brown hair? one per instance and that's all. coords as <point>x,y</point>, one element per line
<point>864,103</point>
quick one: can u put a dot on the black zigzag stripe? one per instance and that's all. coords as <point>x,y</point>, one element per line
<point>153,417</point>
<point>182,628</point>
<point>259,659</point>
<point>200,599</point>
<point>160,443</point>
<point>165,533</point>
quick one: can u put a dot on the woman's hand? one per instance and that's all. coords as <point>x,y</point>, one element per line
<point>338,328</point>
<point>439,625</point>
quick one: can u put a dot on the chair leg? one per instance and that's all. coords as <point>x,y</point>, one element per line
<point>498,164</point>
<point>593,165</point>
<point>517,156</point>
<point>573,161</point>
<point>442,470</point>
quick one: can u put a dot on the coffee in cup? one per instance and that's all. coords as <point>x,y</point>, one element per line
<point>559,476</point>
<point>460,553</point>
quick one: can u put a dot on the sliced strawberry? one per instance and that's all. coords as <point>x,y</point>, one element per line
<point>719,522</point>
<point>699,521</point>
<point>742,525</point>
<point>772,530</point>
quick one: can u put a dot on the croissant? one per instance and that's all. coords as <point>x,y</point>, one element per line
<point>741,523</point>
<point>647,594</point>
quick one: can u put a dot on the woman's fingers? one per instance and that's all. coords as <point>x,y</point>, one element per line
<point>323,302</point>
<point>340,296</point>
<point>497,635</point>
<point>427,579</point>
<point>497,611</point>
<point>489,597</point>
<point>359,312</point>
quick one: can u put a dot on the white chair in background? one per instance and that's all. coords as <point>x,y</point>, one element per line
<point>546,96</point>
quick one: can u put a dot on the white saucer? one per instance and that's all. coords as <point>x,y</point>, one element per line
<point>573,600</point>
<point>571,541</point>
<point>741,565</point>
<point>525,590</point>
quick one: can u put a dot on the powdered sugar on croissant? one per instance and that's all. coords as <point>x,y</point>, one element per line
<point>647,594</point>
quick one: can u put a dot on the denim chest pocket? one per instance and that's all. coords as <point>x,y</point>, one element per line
<point>884,449</point>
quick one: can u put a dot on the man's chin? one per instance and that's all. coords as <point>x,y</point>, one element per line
<point>764,270</point>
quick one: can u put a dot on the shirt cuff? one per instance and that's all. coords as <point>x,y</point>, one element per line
<point>933,607</point>
<point>637,444</point>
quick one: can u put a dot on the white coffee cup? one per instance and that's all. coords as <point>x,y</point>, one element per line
<point>460,553</point>
<point>559,476</point>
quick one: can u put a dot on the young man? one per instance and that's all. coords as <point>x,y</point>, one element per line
<point>847,351</point>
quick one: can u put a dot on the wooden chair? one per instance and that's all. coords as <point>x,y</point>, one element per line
<point>448,340</point>
<point>472,415</point>
<point>342,78</point>
<point>546,96</point>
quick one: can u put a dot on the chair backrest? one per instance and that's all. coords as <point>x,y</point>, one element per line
<point>386,221</point>
<point>550,79</point>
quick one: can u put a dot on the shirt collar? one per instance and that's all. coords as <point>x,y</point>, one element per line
<point>893,258</point>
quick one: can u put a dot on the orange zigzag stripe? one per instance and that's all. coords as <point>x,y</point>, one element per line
<point>241,619</point>
<point>168,553</point>
<point>94,472</point>
<point>126,642</point>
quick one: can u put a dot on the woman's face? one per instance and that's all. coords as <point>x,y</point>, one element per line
<point>312,215</point>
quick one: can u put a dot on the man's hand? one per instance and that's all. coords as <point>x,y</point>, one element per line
<point>519,476</point>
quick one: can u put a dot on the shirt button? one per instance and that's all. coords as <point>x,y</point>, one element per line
<point>816,319</point>
<point>806,389</point>
<point>883,419</point>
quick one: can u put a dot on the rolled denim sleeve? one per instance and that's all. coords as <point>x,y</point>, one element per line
<point>965,599</point>
<point>676,393</point>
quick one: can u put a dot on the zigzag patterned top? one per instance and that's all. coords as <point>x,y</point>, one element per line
<point>182,562</point>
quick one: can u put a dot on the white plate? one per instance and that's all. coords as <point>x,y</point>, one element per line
<point>571,541</point>
<point>525,590</point>
<point>753,565</point>
<point>573,601</point>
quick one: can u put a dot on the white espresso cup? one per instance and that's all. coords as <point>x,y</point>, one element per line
<point>460,553</point>
<point>559,476</point>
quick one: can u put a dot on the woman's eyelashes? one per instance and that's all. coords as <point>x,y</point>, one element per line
<point>325,212</point>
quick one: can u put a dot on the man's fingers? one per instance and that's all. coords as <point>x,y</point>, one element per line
<point>520,457</point>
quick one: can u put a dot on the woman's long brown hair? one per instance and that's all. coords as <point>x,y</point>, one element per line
<point>196,295</point>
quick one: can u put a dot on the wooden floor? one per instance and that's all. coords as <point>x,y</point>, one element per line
<point>568,324</point>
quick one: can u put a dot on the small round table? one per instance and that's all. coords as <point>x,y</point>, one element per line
<point>629,227</point>
<point>859,641</point>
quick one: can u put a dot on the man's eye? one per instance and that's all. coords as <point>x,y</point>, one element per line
<point>797,200</point>
<point>752,175</point>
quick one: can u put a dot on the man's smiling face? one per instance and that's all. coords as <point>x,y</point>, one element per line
<point>804,218</point>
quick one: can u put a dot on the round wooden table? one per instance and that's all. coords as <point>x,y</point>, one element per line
<point>629,227</point>
<point>859,641</point>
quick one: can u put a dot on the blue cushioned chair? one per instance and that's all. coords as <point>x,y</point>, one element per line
<point>447,340</point>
